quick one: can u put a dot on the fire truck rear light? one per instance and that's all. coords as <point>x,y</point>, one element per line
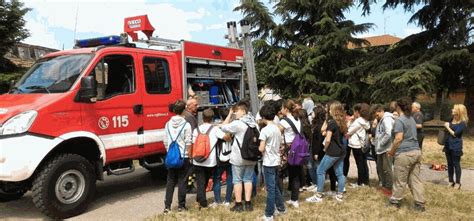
<point>93,42</point>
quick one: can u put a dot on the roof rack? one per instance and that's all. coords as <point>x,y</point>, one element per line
<point>162,42</point>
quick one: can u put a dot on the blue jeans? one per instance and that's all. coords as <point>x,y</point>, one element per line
<point>324,165</point>
<point>216,179</point>
<point>273,193</point>
<point>312,166</point>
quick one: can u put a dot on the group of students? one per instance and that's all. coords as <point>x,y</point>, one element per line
<point>328,133</point>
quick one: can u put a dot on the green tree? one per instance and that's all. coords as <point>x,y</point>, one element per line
<point>432,61</point>
<point>12,30</point>
<point>306,52</point>
<point>12,24</point>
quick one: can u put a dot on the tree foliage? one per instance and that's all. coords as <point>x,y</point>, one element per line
<point>12,24</point>
<point>306,51</point>
<point>431,61</point>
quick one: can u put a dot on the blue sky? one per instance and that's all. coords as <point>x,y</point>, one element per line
<point>52,23</point>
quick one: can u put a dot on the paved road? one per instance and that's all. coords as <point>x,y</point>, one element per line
<point>138,195</point>
<point>129,197</point>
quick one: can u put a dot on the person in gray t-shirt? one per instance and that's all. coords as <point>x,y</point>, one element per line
<point>406,125</point>
<point>407,158</point>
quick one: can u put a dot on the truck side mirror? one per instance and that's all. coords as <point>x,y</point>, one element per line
<point>88,91</point>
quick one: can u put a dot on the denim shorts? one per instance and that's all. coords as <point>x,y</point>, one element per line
<point>242,174</point>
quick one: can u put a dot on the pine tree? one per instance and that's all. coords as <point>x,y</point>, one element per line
<point>306,53</point>
<point>432,61</point>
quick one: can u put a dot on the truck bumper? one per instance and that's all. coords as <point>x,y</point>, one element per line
<point>21,155</point>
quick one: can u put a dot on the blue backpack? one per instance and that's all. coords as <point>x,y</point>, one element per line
<point>174,159</point>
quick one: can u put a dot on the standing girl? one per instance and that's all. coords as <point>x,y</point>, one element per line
<point>291,119</point>
<point>335,152</point>
<point>454,143</point>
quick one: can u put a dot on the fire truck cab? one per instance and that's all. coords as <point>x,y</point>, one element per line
<point>80,113</point>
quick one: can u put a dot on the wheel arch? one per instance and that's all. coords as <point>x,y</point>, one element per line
<point>82,143</point>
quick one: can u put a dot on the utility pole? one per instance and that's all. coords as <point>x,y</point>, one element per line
<point>75,26</point>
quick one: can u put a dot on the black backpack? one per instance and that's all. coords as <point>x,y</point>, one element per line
<point>249,148</point>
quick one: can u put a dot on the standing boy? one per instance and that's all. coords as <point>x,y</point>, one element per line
<point>203,168</point>
<point>242,170</point>
<point>383,142</point>
<point>270,139</point>
<point>179,131</point>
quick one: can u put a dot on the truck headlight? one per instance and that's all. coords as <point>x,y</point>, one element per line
<point>19,123</point>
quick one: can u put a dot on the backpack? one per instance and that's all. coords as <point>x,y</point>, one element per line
<point>249,148</point>
<point>202,146</point>
<point>223,152</point>
<point>174,159</point>
<point>298,154</point>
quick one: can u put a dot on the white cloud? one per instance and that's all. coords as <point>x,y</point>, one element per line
<point>216,26</point>
<point>40,35</point>
<point>106,17</point>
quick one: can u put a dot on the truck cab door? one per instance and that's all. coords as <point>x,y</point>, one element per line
<point>162,82</point>
<point>115,116</point>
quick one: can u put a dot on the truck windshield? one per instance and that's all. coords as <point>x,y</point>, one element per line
<point>52,75</point>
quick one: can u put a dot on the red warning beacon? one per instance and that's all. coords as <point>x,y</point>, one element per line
<point>138,23</point>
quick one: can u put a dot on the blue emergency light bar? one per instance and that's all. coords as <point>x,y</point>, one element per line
<point>93,42</point>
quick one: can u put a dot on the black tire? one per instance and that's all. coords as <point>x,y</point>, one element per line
<point>11,196</point>
<point>47,190</point>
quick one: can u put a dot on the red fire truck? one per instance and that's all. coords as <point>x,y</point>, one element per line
<point>80,113</point>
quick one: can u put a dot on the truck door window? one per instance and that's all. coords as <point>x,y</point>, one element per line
<point>157,75</point>
<point>115,75</point>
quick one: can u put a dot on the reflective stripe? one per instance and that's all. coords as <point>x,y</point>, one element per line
<point>113,141</point>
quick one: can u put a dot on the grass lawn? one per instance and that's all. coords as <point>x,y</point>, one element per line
<point>433,152</point>
<point>366,203</point>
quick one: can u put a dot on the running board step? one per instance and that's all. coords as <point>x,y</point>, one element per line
<point>120,168</point>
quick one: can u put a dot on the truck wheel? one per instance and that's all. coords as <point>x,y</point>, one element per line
<point>64,186</point>
<point>11,195</point>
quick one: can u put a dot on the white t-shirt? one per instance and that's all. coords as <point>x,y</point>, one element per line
<point>288,132</point>
<point>215,134</point>
<point>238,129</point>
<point>272,137</point>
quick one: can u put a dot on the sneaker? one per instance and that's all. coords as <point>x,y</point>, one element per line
<point>167,211</point>
<point>354,185</point>
<point>280,213</point>
<point>295,204</point>
<point>266,218</point>
<point>314,199</point>
<point>312,188</point>
<point>330,193</point>
<point>214,205</point>
<point>457,186</point>
<point>394,203</point>
<point>420,207</point>
<point>339,197</point>
<point>238,208</point>
<point>248,206</point>
<point>226,204</point>
<point>182,208</point>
